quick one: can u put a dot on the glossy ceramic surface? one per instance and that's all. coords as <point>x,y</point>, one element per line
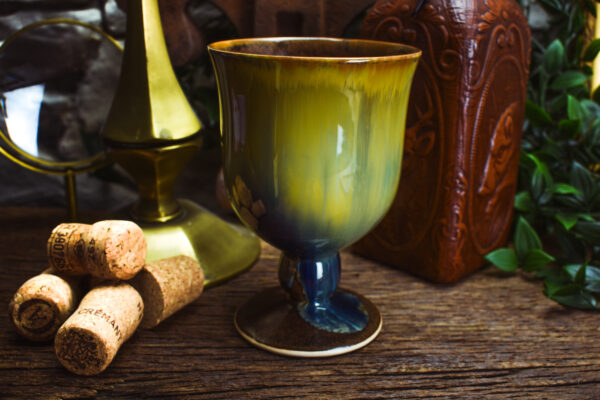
<point>312,145</point>
<point>312,136</point>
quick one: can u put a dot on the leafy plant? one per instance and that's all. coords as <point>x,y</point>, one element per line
<point>559,187</point>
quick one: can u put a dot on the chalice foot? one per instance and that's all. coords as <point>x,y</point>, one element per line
<point>270,322</point>
<point>308,316</point>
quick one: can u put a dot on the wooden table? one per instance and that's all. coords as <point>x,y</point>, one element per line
<point>489,336</point>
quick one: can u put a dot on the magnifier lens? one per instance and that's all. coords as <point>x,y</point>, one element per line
<point>57,82</point>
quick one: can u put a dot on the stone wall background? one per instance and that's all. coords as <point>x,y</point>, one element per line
<point>110,189</point>
<point>15,14</point>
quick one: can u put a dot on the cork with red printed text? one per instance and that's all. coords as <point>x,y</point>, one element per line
<point>106,249</point>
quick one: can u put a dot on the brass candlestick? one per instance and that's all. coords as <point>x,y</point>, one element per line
<point>152,132</point>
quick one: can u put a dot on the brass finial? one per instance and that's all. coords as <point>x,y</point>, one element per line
<point>149,108</point>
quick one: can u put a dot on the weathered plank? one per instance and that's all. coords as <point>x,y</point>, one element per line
<point>488,336</point>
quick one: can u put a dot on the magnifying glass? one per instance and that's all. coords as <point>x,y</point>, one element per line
<point>57,81</point>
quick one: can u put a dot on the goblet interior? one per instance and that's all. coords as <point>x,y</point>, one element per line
<point>312,136</point>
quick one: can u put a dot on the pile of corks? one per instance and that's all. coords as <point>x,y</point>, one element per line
<point>125,292</point>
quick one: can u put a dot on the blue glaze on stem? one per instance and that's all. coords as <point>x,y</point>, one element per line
<point>311,284</point>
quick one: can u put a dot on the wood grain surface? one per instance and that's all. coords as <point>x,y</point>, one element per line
<point>488,336</point>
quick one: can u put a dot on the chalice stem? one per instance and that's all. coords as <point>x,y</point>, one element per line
<point>312,287</point>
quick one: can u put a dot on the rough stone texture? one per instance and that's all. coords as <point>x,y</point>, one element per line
<point>115,20</point>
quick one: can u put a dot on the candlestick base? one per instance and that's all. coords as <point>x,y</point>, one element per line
<point>223,250</point>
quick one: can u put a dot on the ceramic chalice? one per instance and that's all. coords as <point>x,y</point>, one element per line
<point>312,135</point>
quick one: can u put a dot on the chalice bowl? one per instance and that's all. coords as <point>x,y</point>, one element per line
<point>312,134</point>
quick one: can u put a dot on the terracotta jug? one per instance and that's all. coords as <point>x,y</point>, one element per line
<point>462,145</point>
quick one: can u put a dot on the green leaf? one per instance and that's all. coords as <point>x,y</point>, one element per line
<point>590,108</point>
<point>551,287</point>
<point>526,239</point>
<point>592,279</point>
<point>554,57</point>
<point>570,127</point>
<point>545,198</point>
<point>569,79</point>
<point>574,110</point>
<point>591,51</point>
<point>571,270</point>
<point>536,259</point>
<point>537,115</point>
<point>571,202</point>
<point>586,217</point>
<point>579,300</point>
<point>537,184</point>
<point>576,19</point>
<point>542,167</point>
<point>505,259</point>
<point>573,248</point>
<point>563,188</point>
<point>554,277</point>
<point>564,290</point>
<point>592,273</point>
<point>581,179</point>
<point>567,220</point>
<point>580,275</point>
<point>594,133</point>
<point>523,202</point>
<point>572,294</point>
<point>590,231</point>
<point>557,104</point>
<point>577,272</point>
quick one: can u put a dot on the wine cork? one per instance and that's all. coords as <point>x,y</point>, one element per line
<point>115,249</point>
<point>106,249</point>
<point>168,285</point>
<point>65,248</point>
<point>89,340</point>
<point>43,303</point>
